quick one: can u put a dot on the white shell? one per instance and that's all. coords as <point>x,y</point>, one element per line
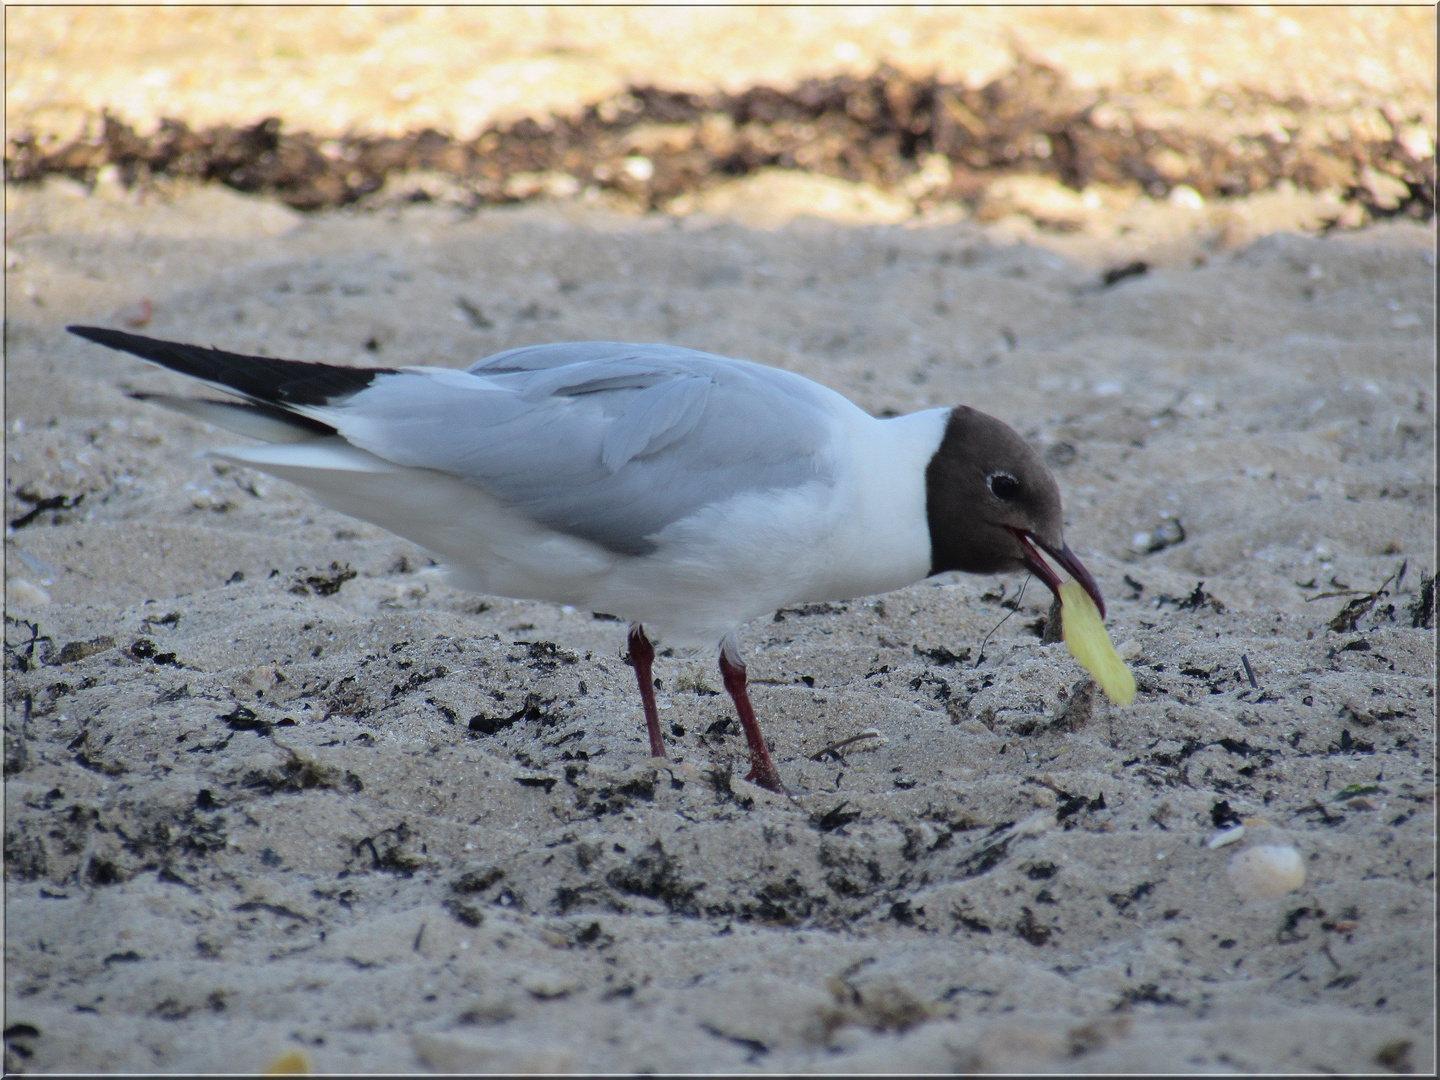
<point>1266,872</point>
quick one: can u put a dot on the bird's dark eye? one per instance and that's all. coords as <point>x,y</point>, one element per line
<point>1003,485</point>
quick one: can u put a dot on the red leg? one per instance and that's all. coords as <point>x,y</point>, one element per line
<point>762,769</point>
<point>642,659</point>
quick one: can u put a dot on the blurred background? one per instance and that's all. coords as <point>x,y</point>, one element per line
<point>1062,119</point>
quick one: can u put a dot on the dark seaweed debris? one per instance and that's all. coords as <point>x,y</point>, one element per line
<point>1422,611</point>
<point>322,582</point>
<point>1350,615</point>
<point>835,819</point>
<point>878,129</point>
<point>55,504</point>
<point>535,708</point>
<point>655,874</point>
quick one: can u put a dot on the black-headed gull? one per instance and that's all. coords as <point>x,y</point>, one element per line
<point>681,490</point>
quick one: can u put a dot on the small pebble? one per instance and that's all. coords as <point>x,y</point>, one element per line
<point>1225,836</point>
<point>1129,649</point>
<point>263,678</point>
<point>22,593</point>
<point>547,986</point>
<point>1266,872</point>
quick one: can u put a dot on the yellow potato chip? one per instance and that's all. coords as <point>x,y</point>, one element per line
<point>1088,643</point>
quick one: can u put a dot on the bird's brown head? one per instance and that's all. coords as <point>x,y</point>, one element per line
<point>994,507</point>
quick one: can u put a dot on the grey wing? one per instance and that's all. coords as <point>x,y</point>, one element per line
<point>605,441</point>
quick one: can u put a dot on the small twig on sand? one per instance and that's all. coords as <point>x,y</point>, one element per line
<point>986,639</point>
<point>868,733</point>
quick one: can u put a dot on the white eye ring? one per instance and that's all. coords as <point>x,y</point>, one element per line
<point>1002,485</point>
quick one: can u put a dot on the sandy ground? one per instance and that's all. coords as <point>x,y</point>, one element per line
<point>255,805</point>
<point>250,812</point>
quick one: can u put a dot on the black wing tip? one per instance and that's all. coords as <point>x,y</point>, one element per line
<point>261,378</point>
<point>115,339</point>
<point>91,333</point>
<point>176,355</point>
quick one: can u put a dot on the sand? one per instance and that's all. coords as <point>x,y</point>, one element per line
<point>252,804</point>
<point>273,787</point>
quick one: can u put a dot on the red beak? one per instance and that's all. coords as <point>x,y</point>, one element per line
<point>1038,565</point>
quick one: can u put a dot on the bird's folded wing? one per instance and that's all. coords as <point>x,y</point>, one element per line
<point>602,441</point>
